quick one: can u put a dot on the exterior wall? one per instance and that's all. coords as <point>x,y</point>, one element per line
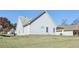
<point>19,28</point>
<point>66,33</point>
<point>27,30</point>
<point>58,33</point>
<point>39,26</point>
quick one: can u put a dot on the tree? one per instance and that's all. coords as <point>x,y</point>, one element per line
<point>6,24</point>
<point>76,21</point>
<point>64,22</point>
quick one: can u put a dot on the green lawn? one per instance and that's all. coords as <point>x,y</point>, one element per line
<point>39,42</point>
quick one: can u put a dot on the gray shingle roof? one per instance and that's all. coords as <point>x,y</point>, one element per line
<point>35,18</point>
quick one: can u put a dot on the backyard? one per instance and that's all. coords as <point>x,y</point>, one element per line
<point>42,41</point>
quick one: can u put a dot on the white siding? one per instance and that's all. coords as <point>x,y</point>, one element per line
<point>58,33</point>
<point>27,30</point>
<point>19,28</point>
<point>39,26</point>
<point>66,33</point>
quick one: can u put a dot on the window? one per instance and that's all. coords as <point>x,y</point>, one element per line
<point>47,29</point>
<point>54,30</point>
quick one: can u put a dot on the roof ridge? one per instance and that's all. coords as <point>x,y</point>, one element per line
<point>35,18</point>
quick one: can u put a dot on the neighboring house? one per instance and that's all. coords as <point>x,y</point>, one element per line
<point>68,30</point>
<point>39,25</point>
<point>12,31</point>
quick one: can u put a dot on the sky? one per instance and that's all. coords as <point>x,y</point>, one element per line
<point>56,15</point>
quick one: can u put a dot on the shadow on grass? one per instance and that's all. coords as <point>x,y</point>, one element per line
<point>5,35</point>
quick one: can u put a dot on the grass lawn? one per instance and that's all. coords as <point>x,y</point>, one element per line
<point>39,42</point>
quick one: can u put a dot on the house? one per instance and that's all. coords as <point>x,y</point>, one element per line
<point>12,31</point>
<point>68,30</point>
<point>41,24</point>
